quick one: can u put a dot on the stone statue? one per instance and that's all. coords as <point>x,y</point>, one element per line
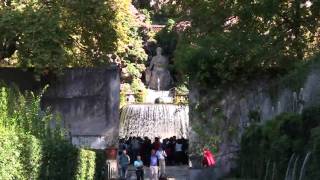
<point>157,74</point>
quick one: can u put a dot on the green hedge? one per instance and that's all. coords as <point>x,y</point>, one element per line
<point>267,148</point>
<point>24,157</point>
<point>31,149</point>
<point>86,165</point>
<point>59,160</point>
<point>100,162</point>
<point>20,155</point>
<point>10,165</point>
<point>31,152</point>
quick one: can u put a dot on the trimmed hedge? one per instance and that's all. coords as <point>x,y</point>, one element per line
<point>30,148</point>
<point>24,157</point>
<point>86,165</point>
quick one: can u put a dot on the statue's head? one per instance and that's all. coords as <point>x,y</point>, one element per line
<point>159,50</point>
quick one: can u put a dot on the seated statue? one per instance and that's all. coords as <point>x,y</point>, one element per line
<point>157,74</point>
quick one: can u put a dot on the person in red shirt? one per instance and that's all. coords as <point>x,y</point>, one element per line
<point>208,158</point>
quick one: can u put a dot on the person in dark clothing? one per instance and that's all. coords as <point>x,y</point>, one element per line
<point>156,144</point>
<point>169,148</point>
<point>176,149</point>
<point>185,146</point>
<point>124,161</point>
<point>145,151</point>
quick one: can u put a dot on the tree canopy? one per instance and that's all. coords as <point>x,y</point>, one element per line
<point>230,40</point>
<point>66,33</point>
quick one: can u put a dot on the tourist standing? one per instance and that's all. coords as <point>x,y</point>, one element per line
<point>170,151</point>
<point>156,144</point>
<point>138,164</point>
<point>135,147</point>
<point>124,161</point>
<point>154,165</point>
<point>208,158</point>
<point>122,145</point>
<point>161,154</point>
<point>185,146</point>
<point>178,152</point>
<point>145,151</point>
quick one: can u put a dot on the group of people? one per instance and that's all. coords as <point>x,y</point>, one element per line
<point>157,154</point>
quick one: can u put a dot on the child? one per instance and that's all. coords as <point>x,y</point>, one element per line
<point>138,164</point>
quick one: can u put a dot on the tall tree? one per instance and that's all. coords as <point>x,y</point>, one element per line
<point>61,33</point>
<point>230,40</point>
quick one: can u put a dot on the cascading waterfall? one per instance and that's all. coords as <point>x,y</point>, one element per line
<point>154,120</point>
<point>303,168</point>
<point>290,166</point>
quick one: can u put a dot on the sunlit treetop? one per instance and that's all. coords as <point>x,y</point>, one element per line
<point>65,33</point>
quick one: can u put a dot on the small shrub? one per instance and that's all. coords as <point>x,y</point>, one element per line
<point>100,164</point>
<point>139,90</point>
<point>20,155</point>
<point>10,165</point>
<point>59,159</point>
<point>31,156</point>
<point>86,165</point>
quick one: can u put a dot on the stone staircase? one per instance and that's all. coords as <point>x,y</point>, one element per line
<point>173,173</point>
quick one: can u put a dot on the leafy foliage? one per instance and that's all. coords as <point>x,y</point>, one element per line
<point>208,129</point>
<point>86,165</point>
<point>236,40</point>
<point>276,141</point>
<point>33,144</point>
<point>160,11</point>
<point>139,90</point>
<point>315,135</point>
<point>167,38</point>
<point>57,34</point>
<point>11,165</point>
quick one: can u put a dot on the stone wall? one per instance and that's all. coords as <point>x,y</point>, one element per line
<point>86,98</point>
<point>237,103</point>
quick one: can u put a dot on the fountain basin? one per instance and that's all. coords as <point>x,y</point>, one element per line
<point>152,95</point>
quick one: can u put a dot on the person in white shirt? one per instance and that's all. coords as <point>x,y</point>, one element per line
<point>161,154</point>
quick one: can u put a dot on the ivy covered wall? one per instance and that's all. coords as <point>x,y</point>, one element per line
<point>219,117</point>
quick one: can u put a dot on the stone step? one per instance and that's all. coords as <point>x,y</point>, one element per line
<point>173,173</point>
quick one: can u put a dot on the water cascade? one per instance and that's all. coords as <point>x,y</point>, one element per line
<point>303,168</point>
<point>154,120</point>
<point>290,166</point>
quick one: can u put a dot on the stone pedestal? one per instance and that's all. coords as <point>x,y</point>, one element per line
<point>111,170</point>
